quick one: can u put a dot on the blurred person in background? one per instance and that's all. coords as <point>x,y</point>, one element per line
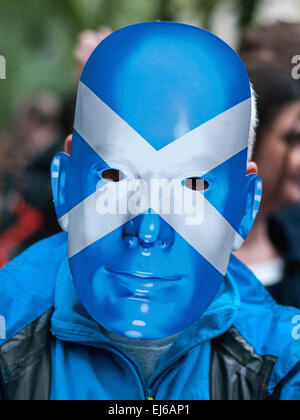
<point>272,250</point>
<point>37,126</point>
<point>86,43</point>
<point>274,44</point>
<point>38,137</point>
<point>18,219</point>
<point>38,191</point>
<point>26,208</point>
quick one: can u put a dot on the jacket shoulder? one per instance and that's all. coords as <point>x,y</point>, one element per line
<point>266,326</point>
<point>27,284</point>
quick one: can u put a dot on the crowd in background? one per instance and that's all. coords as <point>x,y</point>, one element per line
<point>272,251</point>
<point>40,127</point>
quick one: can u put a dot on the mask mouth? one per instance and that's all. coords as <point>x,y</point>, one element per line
<point>138,285</point>
<point>139,275</point>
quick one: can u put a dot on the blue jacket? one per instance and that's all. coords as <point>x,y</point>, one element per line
<point>86,365</point>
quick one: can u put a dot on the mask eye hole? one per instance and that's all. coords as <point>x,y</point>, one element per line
<point>196,184</point>
<point>113,175</point>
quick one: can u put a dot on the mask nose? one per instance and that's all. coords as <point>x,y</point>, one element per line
<point>148,230</point>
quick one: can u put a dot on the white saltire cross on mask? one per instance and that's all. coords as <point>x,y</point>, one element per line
<point>115,141</point>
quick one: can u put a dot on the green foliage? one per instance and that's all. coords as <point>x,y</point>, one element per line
<point>247,11</point>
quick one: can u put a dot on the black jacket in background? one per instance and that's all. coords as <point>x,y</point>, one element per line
<point>284,231</point>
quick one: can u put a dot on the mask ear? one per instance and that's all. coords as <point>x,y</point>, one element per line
<point>254,188</point>
<point>59,175</point>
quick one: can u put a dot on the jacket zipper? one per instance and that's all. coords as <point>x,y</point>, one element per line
<point>161,376</point>
<point>131,363</point>
<point>149,393</point>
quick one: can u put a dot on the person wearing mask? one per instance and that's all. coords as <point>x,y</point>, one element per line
<point>140,298</point>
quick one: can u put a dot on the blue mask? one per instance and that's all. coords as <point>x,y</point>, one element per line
<point>157,102</point>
